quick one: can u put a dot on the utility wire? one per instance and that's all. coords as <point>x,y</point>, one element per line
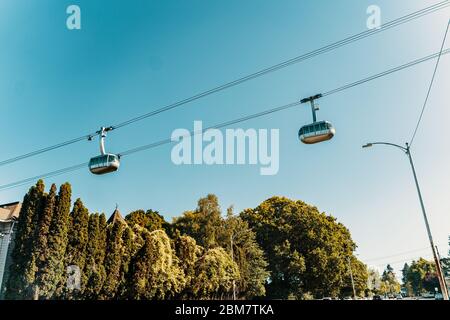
<point>394,23</point>
<point>224,124</point>
<point>292,61</point>
<point>430,86</point>
<point>399,254</point>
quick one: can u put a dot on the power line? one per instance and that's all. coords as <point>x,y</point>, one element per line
<point>292,61</point>
<point>399,254</point>
<point>394,23</point>
<point>387,72</point>
<point>426,257</point>
<point>430,86</point>
<point>224,124</point>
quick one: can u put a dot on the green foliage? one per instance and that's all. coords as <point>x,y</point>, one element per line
<point>151,220</point>
<point>20,281</point>
<point>113,259</point>
<point>389,282</point>
<point>42,246</point>
<point>187,252</point>
<point>421,277</point>
<point>247,254</point>
<point>154,272</point>
<point>58,238</point>
<point>214,275</point>
<point>307,250</point>
<point>281,249</point>
<point>204,223</point>
<point>94,271</point>
<point>77,243</point>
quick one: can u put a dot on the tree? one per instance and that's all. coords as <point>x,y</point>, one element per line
<point>360,278</point>
<point>421,277</point>
<point>202,224</point>
<point>154,271</point>
<point>94,270</point>
<point>42,247</point>
<point>77,243</point>
<point>214,275</point>
<point>188,253</point>
<point>374,281</point>
<point>58,237</point>
<point>20,281</point>
<point>307,250</point>
<point>130,245</point>
<point>113,259</point>
<point>151,220</point>
<point>208,228</point>
<point>390,284</point>
<point>247,254</point>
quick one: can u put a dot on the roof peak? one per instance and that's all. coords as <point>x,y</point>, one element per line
<point>116,216</point>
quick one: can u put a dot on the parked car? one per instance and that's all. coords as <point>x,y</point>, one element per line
<point>377,297</point>
<point>438,296</point>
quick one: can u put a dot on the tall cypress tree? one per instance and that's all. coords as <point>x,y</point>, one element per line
<point>57,243</point>
<point>41,249</point>
<point>113,259</point>
<point>94,270</point>
<point>18,286</point>
<point>77,242</point>
<point>129,248</point>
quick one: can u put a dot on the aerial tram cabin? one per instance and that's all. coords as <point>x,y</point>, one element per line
<point>105,162</point>
<point>318,131</point>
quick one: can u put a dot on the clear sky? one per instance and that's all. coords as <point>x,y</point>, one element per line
<point>131,57</point>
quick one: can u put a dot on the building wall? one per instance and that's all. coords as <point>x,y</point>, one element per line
<point>6,246</point>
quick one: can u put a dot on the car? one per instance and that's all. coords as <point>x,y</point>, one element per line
<point>377,297</point>
<point>327,298</point>
<point>399,297</point>
<point>438,296</point>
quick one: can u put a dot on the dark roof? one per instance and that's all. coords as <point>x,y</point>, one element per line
<point>9,211</point>
<point>116,216</point>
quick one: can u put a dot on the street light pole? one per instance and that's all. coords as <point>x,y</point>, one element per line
<point>437,261</point>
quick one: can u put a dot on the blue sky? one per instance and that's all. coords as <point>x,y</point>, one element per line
<point>132,57</point>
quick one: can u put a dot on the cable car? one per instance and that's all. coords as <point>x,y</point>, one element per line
<point>318,131</point>
<point>105,162</point>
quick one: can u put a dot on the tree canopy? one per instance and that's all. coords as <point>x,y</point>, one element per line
<point>280,249</point>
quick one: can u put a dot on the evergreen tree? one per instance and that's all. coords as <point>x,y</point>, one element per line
<point>19,281</point>
<point>42,249</point>
<point>113,259</point>
<point>188,252</point>
<point>130,245</point>
<point>94,270</point>
<point>77,243</point>
<point>58,237</point>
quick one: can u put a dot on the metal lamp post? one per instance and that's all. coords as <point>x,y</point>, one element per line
<point>407,151</point>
